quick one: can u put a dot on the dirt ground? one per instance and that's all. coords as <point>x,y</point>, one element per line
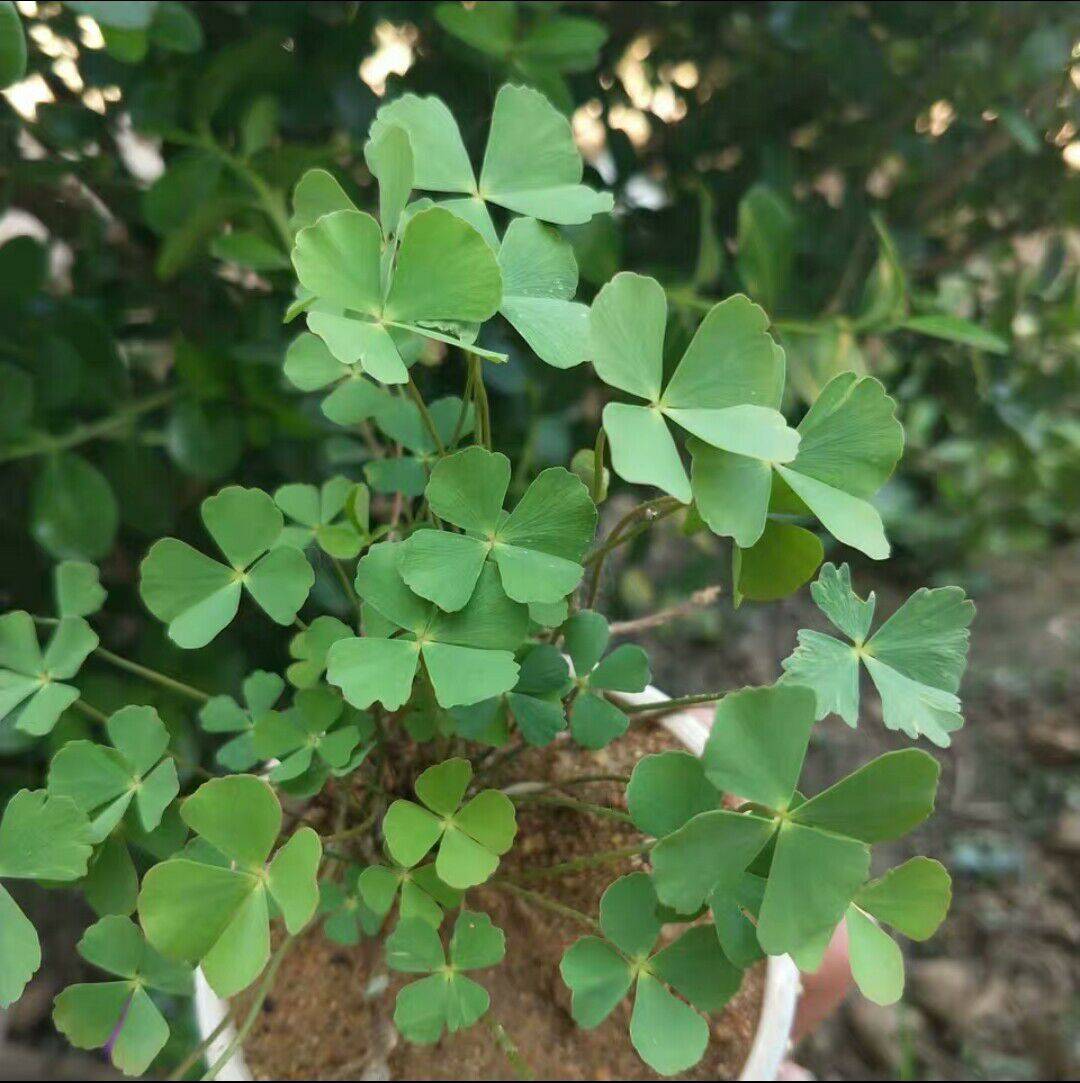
<point>994,995</point>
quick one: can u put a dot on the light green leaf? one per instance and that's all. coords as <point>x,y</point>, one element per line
<point>876,963</point>
<point>390,160</point>
<point>712,849</point>
<point>337,259</point>
<point>628,915</point>
<point>20,950</point>
<point>627,323</point>
<point>291,878</point>
<point>540,278</point>
<point>317,193</point>
<point>666,790</point>
<point>30,680</point>
<point>766,237</point>
<point>43,837</point>
<point>913,897</point>
<point>441,163</point>
<point>813,878</point>
<point>595,722</point>
<point>238,815</point>
<point>783,558</point>
<point>598,978</point>
<point>643,451</point>
<point>369,670</point>
<point>476,942</point>
<point>410,832</point>
<point>666,1032</point>
<point>696,968</point>
<point>79,592</point>
<point>445,271</point>
<point>916,658</point>
<point>532,165</point>
<point>882,800</point>
<point>758,742</point>
<point>954,329</point>
<point>74,513</point>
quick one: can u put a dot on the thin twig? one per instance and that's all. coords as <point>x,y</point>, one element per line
<point>588,861</point>
<point>569,803</point>
<point>200,1050</point>
<point>253,1012</point>
<point>544,902</point>
<point>698,600</point>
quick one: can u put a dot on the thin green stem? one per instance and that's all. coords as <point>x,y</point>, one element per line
<point>466,398</point>
<point>544,903</point>
<point>480,403</point>
<point>652,510</point>
<point>669,705</point>
<point>425,415</point>
<point>253,1012</point>
<point>598,464</point>
<point>506,1044</point>
<point>91,711</point>
<point>44,444</point>
<point>589,861</point>
<point>555,801</point>
<point>201,1049</point>
<point>152,675</point>
<point>346,584</point>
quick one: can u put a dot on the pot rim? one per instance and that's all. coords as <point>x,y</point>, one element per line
<point>772,1038</point>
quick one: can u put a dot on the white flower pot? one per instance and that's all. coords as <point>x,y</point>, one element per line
<point>772,1039</point>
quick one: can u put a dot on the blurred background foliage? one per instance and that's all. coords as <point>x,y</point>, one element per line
<point>897,183</point>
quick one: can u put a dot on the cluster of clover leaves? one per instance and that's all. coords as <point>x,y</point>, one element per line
<point>470,636</point>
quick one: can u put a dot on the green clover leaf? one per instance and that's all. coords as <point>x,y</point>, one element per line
<point>310,366</point>
<point>594,720</point>
<point>444,274</point>
<point>41,838</point>
<point>218,915</point>
<point>668,1033</point>
<point>321,515</point>
<point>725,391</point>
<point>390,159</point>
<point>665,792</point>
<point>315,728</point>
<point>537,547</point>
<point>916,659</point>
<point>32,689</point>
<point>222,714</point>
<point>446,999</point>
<point>850,442</point>
<point>540,278</point>
<point>534,704</point>
<point>112,881</point>
<point>344,912</point>
<point>310,647</point>
<point>913,898</point>
<point>531,165</point>
<point>419,892</point>
<point>815,852</point>
<point>136,772</point>
<point>400,420</point>
<point>120,1014</point>
<point>79,592</point>
<point>468,655</point>
<point>197,596</point>
<point>539,51</point>
<point>471,838</point>
<point>776,565</point>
